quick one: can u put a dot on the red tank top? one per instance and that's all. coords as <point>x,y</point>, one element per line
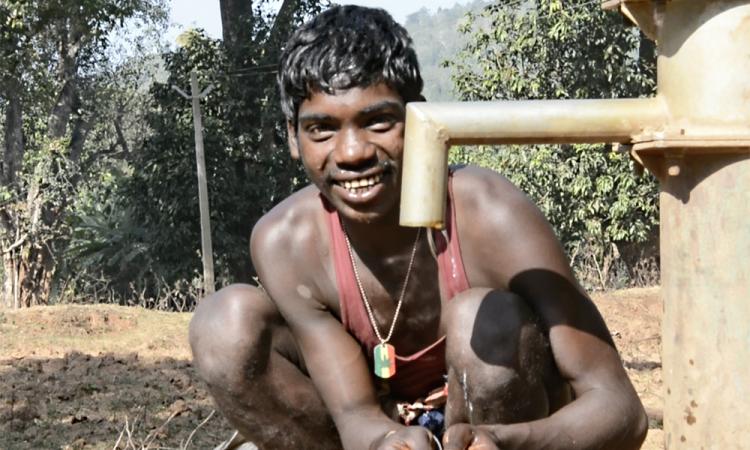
<point>423,371</point>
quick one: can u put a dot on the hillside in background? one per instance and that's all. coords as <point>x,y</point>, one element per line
<point>436,39</point>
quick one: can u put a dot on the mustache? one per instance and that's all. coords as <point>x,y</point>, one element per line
<point>385,166</point>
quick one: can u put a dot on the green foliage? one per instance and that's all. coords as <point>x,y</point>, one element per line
<point>549,49</point>
<point>101,192</point>
<point>105,238</point>
<point>247,163</point>
<point>552,49</point>
<point>112,172</point>
<point>585,190</point>
<point>56,65</point>
<point>50,173</point>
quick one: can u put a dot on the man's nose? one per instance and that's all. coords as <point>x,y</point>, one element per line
<point>354,149</point>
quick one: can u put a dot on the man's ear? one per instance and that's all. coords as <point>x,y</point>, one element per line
<point>291,134</point>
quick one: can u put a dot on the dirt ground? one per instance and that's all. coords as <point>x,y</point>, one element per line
<point>109,377</point>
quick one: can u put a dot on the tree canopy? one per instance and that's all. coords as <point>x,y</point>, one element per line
<point>550,49</point>
<point>52,55</point>
<point>99,196</point>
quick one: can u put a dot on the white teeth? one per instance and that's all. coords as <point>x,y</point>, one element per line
<point>353,185</point>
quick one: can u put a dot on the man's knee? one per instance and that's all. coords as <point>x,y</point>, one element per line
<point>497,356</point>
<point>495,324</point>
<point>496,329</point>
<point>231,333</point>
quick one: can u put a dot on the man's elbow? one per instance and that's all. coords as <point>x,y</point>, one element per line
<point>637,427</point>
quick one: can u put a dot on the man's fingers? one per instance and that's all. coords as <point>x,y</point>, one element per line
<point>458,437</point>
<point>408,438</point>
<point>463,436</point>
<point>482,441</point>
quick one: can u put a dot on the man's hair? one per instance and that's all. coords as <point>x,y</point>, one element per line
<point>346,47</point>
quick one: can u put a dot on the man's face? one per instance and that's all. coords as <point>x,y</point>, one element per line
<point>351,145</point>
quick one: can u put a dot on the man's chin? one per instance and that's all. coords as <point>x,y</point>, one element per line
<point>370,216</point>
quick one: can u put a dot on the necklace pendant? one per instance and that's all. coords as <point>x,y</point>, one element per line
<point>384,356</point>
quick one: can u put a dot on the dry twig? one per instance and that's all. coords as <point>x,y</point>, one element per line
<point>192,433</point>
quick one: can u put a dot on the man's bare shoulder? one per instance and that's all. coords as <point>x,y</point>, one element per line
<point>288,248</point>
<point>489,197</point>
<point>288,232</point>
<point>502,232</point>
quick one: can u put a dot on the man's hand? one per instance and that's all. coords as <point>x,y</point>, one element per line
<point>463,436</point>
<point>405,438</point>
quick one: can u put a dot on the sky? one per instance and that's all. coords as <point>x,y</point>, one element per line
<point>205,13</point>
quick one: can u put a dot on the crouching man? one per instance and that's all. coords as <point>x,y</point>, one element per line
<point>369,335</point>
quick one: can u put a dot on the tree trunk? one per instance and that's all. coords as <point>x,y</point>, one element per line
<point>32,260</point>
<point>282,27</point>
<point>37,264</point>
<point>13,155</point>
<point>35,273</point>
<point>28,262</point>
<point>10,235</point>
<point>11,286</point>
<point>81,128</point>
<point>121,141</point>
<point>57,122</point>
<point>237,22</point>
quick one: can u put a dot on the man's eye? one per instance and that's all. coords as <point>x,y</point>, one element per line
<point>319,131</point>
<point>383,123</point>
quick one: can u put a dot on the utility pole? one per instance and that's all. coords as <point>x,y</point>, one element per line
<point>208,258</point>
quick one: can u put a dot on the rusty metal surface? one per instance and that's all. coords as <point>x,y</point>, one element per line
<point>704,49</point>
<point>705,244</point>
<point>703,66</point>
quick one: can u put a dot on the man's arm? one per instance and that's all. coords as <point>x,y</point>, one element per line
<point>287,268</point>
<point>529,261</point>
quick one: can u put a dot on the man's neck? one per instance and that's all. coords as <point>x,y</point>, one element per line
<point>384,238</point>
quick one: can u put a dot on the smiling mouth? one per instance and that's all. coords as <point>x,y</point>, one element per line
<point>360,185</point>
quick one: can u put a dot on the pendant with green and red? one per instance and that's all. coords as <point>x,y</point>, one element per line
<point>384,358</point>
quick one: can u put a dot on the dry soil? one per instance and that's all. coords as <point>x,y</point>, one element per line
<point>109,377</point>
